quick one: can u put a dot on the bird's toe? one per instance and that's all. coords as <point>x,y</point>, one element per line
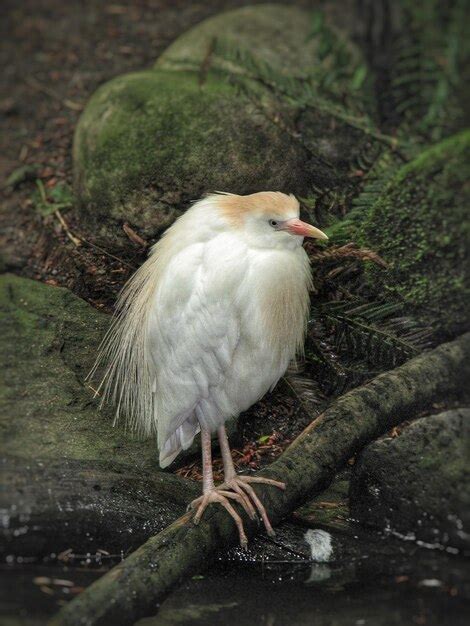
<point>238,494</point>
<point>242,482</point>
<point>264,481</point>
<point>223,498</point>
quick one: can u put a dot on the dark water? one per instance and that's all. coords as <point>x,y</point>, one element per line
<point>314,594</point>
<point>370,580</point>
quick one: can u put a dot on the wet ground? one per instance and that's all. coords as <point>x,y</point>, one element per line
<point>304,595</point>
<point>322,568</point>
<point>368,579</point>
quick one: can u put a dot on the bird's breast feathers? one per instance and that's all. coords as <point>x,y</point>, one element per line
<point>222,282</point>
<point>276,293</point>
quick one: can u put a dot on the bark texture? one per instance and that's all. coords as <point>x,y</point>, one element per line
<point>135,587</point>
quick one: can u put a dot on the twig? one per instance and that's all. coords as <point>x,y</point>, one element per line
<point>32,82</point>
<point>103,251</point>
<point>75,240</point>
<point>133,236</point>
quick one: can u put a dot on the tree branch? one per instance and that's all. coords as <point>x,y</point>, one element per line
<point>134,588</point>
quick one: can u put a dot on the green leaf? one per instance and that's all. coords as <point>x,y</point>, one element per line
<point>325,46</point>
<point>61,194</point>
<point>58,198</point>
<point>21,175</point>
<point>359,77</point>
<point>41,190</point>
<point>318,19</point>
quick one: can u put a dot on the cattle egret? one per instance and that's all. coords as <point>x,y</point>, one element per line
<point>207,326</point>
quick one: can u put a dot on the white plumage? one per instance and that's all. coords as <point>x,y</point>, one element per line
<point>210,322</point>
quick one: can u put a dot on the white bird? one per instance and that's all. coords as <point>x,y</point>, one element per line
<point>207,326</point>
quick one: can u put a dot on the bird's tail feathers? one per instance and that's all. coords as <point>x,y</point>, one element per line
<point>180,440</point>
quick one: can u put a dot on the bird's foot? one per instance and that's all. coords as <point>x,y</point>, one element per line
<point>241,486</point>
<point>222,497</point>
<point>238,489</point>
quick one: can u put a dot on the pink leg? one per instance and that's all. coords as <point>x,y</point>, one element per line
<point>240,484</point>
<point>207,475</point>
<point>211,494</point>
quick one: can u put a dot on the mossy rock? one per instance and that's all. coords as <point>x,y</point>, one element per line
<point>420,226</point>
<point>48,344</point>
<point>291,41</point>
<point>417,484</point>
<point>149,143</point>
<point>69,478</point>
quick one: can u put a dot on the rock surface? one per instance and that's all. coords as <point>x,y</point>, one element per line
<point>223,116</point>
<point>417,484</point>
<point>48,344</point>
<point>280,36</point>
<point>150,142</point>
<point>49,506</point>
<point>69,478</point>
<point>420,226</point>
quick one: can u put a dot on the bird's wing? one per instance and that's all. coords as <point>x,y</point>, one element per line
<point>193,332</point>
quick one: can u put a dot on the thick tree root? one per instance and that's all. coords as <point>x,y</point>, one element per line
<point>134,588</point>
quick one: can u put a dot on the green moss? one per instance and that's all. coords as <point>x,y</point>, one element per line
<point>311,47</point>
<point>47,346</point>
<point>420,226</point>
<point>249,111</point>
<point>431,69</point>
<point>151,140</point>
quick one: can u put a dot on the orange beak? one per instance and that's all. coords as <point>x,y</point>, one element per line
<point>302,229</point>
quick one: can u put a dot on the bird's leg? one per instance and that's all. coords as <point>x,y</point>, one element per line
<point>240,484</point>
<point>206,448</point>
<point>211,494</point>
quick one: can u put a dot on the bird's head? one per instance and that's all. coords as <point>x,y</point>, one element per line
<point>268,219</point>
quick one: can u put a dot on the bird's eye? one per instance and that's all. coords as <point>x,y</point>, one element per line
<point>273,223</point>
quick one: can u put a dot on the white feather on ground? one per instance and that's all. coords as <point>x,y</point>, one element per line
<point>321,545</point>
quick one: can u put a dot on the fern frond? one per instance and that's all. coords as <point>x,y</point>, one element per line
<point>351,341</point>
<point>317,91</point>
<point>430,56</point>
<point>374,332</point>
